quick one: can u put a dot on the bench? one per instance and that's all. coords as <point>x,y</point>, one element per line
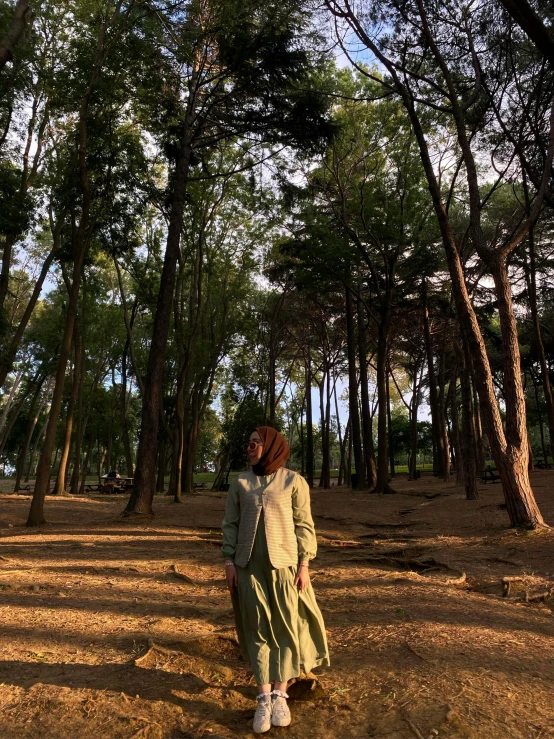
<point>199,485</point>
<point>489,476</point>
<point>540,464</point>
<point>89,488</point>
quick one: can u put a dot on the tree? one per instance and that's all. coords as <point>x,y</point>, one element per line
<point>243,78</point>
<point>453,72</point>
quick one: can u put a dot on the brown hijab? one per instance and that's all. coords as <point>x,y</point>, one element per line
<point>275,454</point>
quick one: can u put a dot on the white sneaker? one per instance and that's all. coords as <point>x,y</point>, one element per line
<point>262,717</point>
<point>280,715</point>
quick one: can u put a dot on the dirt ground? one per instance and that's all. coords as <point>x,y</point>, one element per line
<point>120,630</point>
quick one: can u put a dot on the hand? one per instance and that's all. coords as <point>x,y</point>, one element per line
<point>302,579</point>
<point>231,577</point>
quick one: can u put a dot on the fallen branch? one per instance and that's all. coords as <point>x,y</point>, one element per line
<point>417,654</point>
<point>153,647</point>
<point>416,732</point>
<point>457,580</point>
<point>507,584</point>
<point>537,597</point>
<point>181,575</point>
<point>152,731</point>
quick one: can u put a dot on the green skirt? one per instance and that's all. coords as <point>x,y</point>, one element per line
<point>280,630</point>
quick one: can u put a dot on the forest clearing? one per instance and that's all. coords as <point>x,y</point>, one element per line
<point>114,629</point>
<point>252,249</point>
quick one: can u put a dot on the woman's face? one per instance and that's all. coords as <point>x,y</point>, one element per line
<point>254,455</point>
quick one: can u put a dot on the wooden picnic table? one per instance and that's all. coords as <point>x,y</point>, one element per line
<point>111,485</point>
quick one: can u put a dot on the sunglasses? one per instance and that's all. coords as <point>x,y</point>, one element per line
<point>251,446</point>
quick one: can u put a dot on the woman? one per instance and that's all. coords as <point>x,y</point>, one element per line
<point>268,541</point>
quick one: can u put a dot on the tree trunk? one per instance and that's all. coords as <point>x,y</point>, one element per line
<point>455,423</point>
<point>36,512</point>
<point>342,462</point>
<point>9,353</point>
<point>539,416</point>
<point>309,424</point>
<point>23,15</point>
<point>14,416</point>
<point>382,430</point>
<point>389,425</point>
<point>545,376</point>
<point>361,483</point>
<point>80,428</point>
<point>61,480</point>
<point>142,496</point>
<point>160,483</point>
<point>531,463</point>
<point>414,407</point>
<point>123,414</point>
<point>302,443</point>
<point>348,441</point>
<point>367,424</point>
<point>85,470</point>
<point>513,455</point>
<point>481,457</point>
<point>272,394</point>
<point>31,467</point>
<point>526,17</point>
<point>328,429</point>
<point>191,444</point>
<point>325,476</point>
<point>440,436</point>
<point>469,434</point>
<point>9,401</point>
<point>34,413</point>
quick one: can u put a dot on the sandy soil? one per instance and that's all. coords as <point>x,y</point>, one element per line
<point>121,630</point>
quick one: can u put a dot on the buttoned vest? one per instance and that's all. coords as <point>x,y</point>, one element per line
<point>276,502</point>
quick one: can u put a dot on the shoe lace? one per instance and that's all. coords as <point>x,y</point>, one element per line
<point>264,703</point>
<point>279,701</point>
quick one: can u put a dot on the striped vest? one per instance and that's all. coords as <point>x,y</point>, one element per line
<point>276,503</point>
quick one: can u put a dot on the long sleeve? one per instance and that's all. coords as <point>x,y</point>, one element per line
<point>303,521</point>
<point>231,521</point>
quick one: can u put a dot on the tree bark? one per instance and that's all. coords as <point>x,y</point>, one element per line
<point>539,416</point>
<point>339,430</point>
<point>82,235</point>
<point>367,423</point>
<point>309,423</point>
<point>9,353</point>
<point>455,435</point>
<point>325,476</point>
<point>531,23</point>
<point>469,435</point>
<point>140,502</point>
<point>34,414</point>
<point>15,415</point>
<point>160,483</point>
<point>22,17</point>
<point>123,413</point>
<point>545,375</point>
<point>361,482</point>
<point>440,436</point>
<point>414,408</point>
<point>80,427</point>
<point>176,476</point>
<point>11,396</point>
<point>86,464</point>
<point>389,426</point>
<point>382,485</point>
